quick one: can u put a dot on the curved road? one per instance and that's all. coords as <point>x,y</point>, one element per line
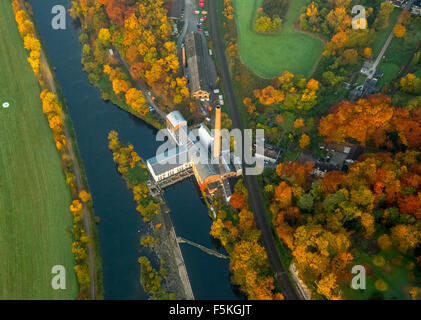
<point>288,286</point>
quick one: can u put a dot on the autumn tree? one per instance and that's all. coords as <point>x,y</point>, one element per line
<point>410,83</point>
<point>399,30</point>
<point>304,141</point>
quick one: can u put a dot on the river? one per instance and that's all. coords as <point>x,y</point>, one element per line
<point>120,227</point>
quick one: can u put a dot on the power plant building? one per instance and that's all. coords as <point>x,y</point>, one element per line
<point>194,156</point>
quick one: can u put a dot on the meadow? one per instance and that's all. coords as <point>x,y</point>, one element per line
<point>382,35</point>
<point>35,221</point>
<point>400,52</point>
<point>269,54</point>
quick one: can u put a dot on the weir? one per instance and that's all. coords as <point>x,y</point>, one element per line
<point>207,250</point>
<point>180,176</point>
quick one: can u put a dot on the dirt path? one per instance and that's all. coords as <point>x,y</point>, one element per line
<point>48,77</point>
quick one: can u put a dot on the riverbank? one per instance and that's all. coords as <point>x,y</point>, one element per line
<point>160,235</point>
<point>35,221</point>
<point>68,149</point>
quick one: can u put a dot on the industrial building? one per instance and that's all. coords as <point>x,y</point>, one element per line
<point>204,156</point>
<point>197,64</point>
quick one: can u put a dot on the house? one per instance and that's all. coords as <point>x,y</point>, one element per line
<point>398,3</point>
<point>338,157</point>
<point>416,7</point>
<point>341,154</point>
<point>367,68</point>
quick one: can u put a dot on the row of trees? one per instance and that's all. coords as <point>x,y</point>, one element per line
<point>27,32</point>
<point>128,164</point>
<point>81,242</point>
<point>52,109</point>
<point>236,229</point>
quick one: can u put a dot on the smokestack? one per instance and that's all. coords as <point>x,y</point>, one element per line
<point>184,56</point>
<point>217,135</point>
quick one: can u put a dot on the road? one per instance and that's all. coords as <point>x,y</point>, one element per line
<point>190,20</point>
<point>288,287</point>
<point>48,77</point>
<point>388,41</point>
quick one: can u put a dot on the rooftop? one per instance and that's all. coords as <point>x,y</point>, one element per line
<point>196,62</point>
<point>169,160</point>
<point>176,119</point>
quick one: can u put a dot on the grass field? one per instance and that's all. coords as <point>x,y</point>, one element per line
<point>268,55</point>
<point>390,71</point>
<point>395,273</point>
<point>35,222</point>
<point>382,35</point>
<point>400,52</point>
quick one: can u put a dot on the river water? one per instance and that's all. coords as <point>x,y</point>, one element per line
<point>121,226</point>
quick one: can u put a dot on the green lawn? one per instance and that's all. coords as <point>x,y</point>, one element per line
<point>400,52</point>
<point>35,222</point>
<point>382,35</point>
<point>399,276</point>
<point>390,71</point>
<point>269,55</point>
<point>418,73</point>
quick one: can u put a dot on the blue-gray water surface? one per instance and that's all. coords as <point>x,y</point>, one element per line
<point>121,226</point>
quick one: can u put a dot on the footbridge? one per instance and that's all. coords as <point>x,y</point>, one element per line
<point>207,250</point>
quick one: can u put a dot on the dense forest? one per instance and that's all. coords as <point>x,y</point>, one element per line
<point>129,41</point>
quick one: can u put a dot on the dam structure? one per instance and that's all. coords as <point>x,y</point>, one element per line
<point>198,152</point>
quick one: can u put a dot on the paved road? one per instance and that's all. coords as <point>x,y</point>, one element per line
<point>386,45</point>
<point>287,285</point>
<point>190,20</point>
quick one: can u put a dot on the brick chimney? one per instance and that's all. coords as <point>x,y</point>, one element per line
<point>217,134</point>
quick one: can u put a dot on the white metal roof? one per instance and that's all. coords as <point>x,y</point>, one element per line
<point>176,118</point>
